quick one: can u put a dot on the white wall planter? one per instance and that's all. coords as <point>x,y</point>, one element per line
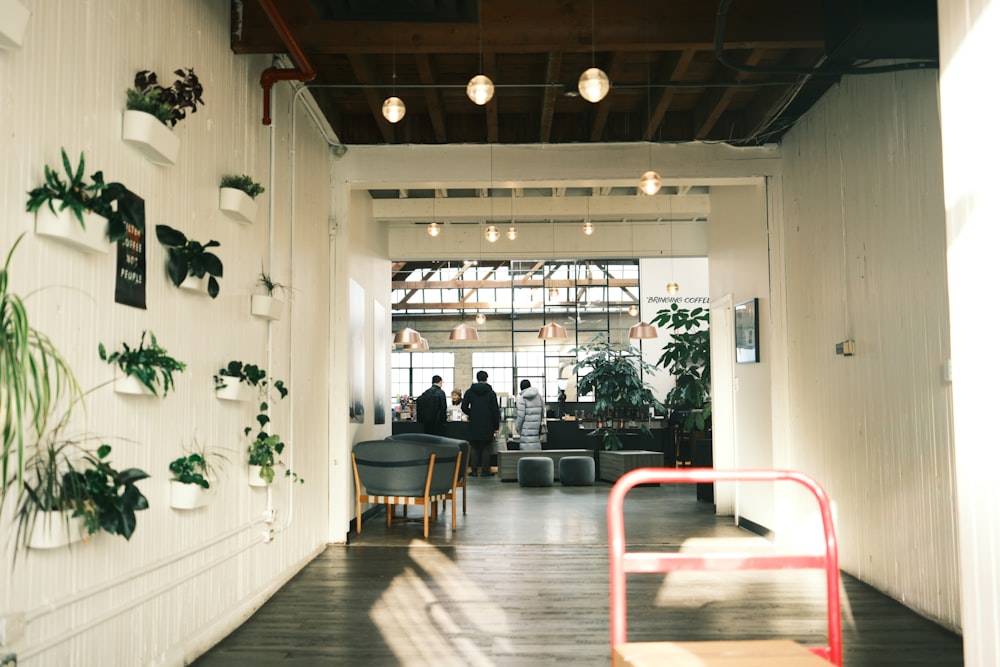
<point>150,137</point>
<point>188,496</point>
<point>55,529</point>
<point>63,227</point>
<point>130,386</point>
<point>233,389</point>
<point>195,284</point>
<point>237,205</point>
<point>13,23</point>
<point>254,478</point>
<point>266,307</point>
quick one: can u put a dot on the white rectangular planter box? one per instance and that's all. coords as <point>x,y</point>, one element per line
<point>63,226</point>
<point>237,205</point>
<point>194,284</point>
<point>13,23</point>
<point>234,390</point>
<point>55,529</point>
<point>188,496</point>
<point>150,137</point>
<point>253,476</point>
<point>131,386</point>
<point>266,307</point>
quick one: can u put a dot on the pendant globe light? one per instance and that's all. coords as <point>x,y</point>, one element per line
<point>480,87</point>
<point>594,83</point>
<point>633,310</point>
<point>393,108</point>
<point>649,182</point>
<point>433,229</point>
<point>480,318</point>
<point>492,234</point>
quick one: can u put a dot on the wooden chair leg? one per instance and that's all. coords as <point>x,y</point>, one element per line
<point>464,497</point>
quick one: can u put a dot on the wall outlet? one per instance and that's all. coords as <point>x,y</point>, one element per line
<point>11,629</point>
<point>8,660</point>
<point>268,535</point>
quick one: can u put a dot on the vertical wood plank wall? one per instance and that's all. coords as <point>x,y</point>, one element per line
<point>185,578</point>
<point>864,239</point>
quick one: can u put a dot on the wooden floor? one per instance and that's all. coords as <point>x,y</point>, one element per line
<point>524,582</point>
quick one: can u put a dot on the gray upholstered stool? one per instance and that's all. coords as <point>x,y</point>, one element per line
<point>535,471</point>
<point>576,470</point>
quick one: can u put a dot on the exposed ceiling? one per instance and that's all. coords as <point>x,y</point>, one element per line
<point>736,71</point>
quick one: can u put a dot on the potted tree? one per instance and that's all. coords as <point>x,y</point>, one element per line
<point>189,262</point>
<point>147,369</point>
<point>76,212</point>
<point>267,305</point>
<point>34,377</point>
<point>687,357</point>
<point>152,110</point>
<point>237,381</point>
<point>237,195</point>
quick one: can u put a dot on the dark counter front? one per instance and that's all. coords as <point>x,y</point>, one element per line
<point>573,435</point>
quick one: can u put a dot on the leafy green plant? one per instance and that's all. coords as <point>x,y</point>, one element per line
<point>250,374</point>
<point>265,448</point>
<point>687,356</point>
<point>615,379</point>
<point>169,105</point>
<point>149,364</point>
<point>243,182</point>
<point>190,469</point>
<point>46,488</point>
<point>34,377</point>
<point>110,497</point>
<point>81,197</point>
<point>270,285</point>
<point>190,258</point>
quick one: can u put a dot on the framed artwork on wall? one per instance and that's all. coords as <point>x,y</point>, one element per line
<point>358,368</point>
<point>747,332</point>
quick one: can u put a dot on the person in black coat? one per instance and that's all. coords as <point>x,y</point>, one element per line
<point>481,405</point>
<point>436,413</point>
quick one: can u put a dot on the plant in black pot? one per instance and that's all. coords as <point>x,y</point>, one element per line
<point>687,357</point>
<point>190,258</point>
<point>170,105</point>
<point>150,364</point>
<point>620,394</point>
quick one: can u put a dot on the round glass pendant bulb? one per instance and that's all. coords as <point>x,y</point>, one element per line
<point>633,310</point>
<point>588,228</point>
<point>512,233</point>
<point>650,182</point>
<point>594,85</point>
<point>492,234</point>
<point>480,318</point>
<point>480,89</point>
<point>673,288</point>
<point>393,109</point>
<point>433,229</point>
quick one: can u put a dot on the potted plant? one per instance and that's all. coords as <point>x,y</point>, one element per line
<point>267,305</point>
<point>237,195</point>
<point>236,381</point>
<point>145,367</point>
<point>110,497</point>
<point>76,212</point>
<point>265,448</point>
<point>620,394</point>
<point>47,499</point>
<point>152,110</point>
<point>687,357</point>
<point>188,261</point>
<point>13,22</point>
<point>34,377</point>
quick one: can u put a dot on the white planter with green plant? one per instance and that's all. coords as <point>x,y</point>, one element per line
<point>89,236</point>
<point>267,305</point>
<point>189,264</point>
<point>52,530</point>
<point>13,22</point>
<point>237,195</point>
<point>255,477</point>
<point>147,369</point>
<point>152,110</point>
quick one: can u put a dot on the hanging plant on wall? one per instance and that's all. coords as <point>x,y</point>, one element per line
<point>149,364</point>
<point>190,258</point>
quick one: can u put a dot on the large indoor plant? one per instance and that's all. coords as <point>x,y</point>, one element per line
<point>150,364</point>
<point>615,377</point>
<point>687,357</point>
<point>189,258</point>
<point>34,377</point>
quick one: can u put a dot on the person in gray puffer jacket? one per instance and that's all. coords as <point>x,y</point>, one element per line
<point>530,413</point>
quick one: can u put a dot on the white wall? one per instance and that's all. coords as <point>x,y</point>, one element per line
<point>863,256</point>
<point>968,35</point>
<point>185,578</point>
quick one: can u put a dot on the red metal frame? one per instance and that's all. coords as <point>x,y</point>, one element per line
<point>622,562</point>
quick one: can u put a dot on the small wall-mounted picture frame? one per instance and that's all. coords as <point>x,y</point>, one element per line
<point>747,332</point>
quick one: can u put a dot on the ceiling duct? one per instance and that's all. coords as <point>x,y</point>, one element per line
<point>880,29</point>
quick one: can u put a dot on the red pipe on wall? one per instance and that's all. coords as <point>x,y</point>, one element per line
<point>304,71</point>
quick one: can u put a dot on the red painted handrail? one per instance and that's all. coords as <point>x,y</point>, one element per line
<point>621,562</point>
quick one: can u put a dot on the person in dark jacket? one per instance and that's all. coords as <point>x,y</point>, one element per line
<point>436,415</point>
<point>481,405</point>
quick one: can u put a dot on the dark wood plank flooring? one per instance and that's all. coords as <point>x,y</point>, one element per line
<point>524,582</point>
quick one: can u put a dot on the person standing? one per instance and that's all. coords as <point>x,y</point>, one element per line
<point>481,405</point>
<point>530,413</point>
<point>432,408</point>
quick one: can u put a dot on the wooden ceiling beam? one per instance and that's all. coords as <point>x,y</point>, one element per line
<point>604,106</point>
<point>716,101</point>
<point>677,73</point>
<point>552,67</point>
<point>432,96</point>
<point>364,72</point>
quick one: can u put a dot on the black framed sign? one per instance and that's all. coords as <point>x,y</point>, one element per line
<point>747,332</point>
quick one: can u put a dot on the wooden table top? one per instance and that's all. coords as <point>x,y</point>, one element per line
<point>751,653</point>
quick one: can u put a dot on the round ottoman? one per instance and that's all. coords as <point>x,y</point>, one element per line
<point>576,470</point>
<point>535,471</point>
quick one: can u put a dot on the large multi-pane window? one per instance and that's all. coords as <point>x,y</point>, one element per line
<point>499,366</point>
<point>412,372</point>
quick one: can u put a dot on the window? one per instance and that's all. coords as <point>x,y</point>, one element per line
<point>412,372</point>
